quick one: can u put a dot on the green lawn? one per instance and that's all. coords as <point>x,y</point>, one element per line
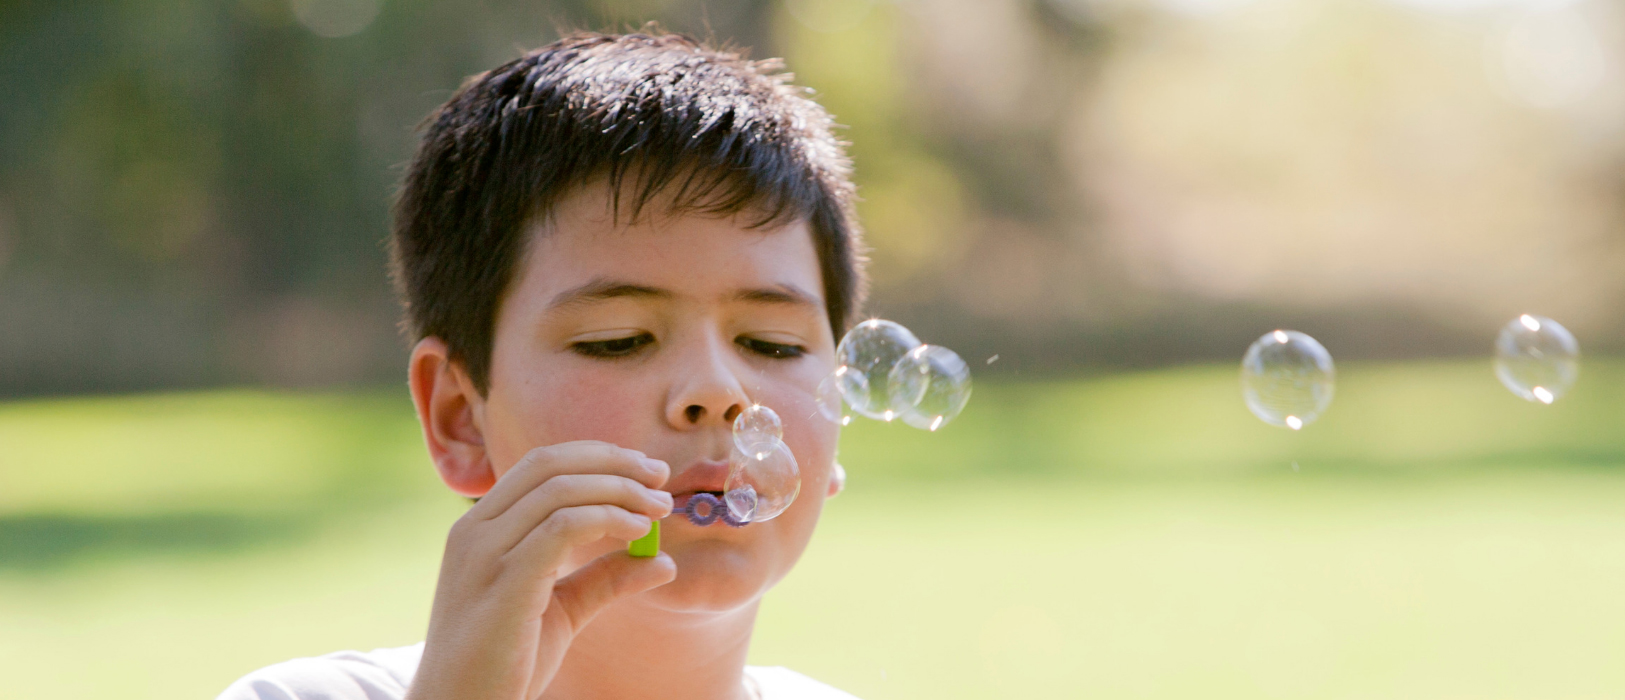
<point>1126,536</point>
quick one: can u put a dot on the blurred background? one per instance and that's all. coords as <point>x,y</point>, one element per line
<point>208,462</point>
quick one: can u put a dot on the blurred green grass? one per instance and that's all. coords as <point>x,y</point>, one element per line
<point>1123,536</point>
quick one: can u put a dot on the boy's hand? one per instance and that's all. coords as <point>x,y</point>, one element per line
<point>502,617</point>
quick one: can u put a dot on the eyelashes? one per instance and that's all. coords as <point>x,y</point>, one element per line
<point>616,348</point>
<point>777,351</point>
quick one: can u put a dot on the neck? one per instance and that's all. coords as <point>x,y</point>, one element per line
<point>634,651</point>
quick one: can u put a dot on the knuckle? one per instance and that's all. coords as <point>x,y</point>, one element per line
<point>461,530</point>
<point>563,521</point>
<point>557,483</point>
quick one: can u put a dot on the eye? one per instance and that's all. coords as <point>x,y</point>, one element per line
<point>777,351</point>
<point>614,347</point>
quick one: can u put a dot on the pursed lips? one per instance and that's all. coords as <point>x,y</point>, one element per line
<point>702,476</point>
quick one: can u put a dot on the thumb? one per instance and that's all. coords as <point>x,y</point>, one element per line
<point>583,594</point>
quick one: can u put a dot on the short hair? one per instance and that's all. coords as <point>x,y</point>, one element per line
<point>700,128</point>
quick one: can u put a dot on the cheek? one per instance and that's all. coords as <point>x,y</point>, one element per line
<point>810,435</point>
<point>598,406</point>
<point>555,405</point>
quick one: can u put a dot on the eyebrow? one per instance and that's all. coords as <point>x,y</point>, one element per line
<point>605,289</point>
<point>779,294</point>
<point>602,289</point>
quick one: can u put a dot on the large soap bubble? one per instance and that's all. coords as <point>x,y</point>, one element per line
<point>761,487</point>
<point>929,386</point>
<point>1537,358</point>
<point>871,349</point>
<point>1287,379</point>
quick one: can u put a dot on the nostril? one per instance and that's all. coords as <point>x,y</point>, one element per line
<point>732,412</point>
<point>694,413</point>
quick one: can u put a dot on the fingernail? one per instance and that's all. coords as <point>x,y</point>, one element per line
<point>653,465</point>
<point>664,497</point>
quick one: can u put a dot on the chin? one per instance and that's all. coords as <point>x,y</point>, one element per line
<point>712,576</point>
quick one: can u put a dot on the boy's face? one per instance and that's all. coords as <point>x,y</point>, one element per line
<point>652,336</point>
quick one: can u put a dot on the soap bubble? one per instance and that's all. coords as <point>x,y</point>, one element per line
<point>760,487</point>
<point>831,404</point>
<point>1287,379</point>
<point>757,430</point>
<point>870,350</point>
<point>929,386</point>
<point>1537,358</point>
<point>742,503</point>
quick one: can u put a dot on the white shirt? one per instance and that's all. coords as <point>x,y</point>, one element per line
<point>385,674</point>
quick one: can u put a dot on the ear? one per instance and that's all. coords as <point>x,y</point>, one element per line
<point>448,409</point>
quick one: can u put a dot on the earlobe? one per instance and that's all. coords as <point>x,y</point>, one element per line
<point>446,402</point>
<point>837,480</point>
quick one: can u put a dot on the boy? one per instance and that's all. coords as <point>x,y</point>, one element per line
<point>609,248</point>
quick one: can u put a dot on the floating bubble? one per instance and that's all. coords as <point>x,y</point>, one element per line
<point>929,386</point>
<point>760,487</point>
<point>1537,358</point>
<point>871,349</point>
<point>831,404</point>
<point>1287,379</point>
<point>757,429</point>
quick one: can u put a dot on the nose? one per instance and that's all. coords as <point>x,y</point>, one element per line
<point>706,391</point>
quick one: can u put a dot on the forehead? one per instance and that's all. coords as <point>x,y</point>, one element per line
<point>691,255</point>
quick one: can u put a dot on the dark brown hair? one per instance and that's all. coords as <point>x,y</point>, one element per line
<point>702,128</point>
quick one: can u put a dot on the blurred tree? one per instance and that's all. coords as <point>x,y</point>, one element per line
<point>196,192</point>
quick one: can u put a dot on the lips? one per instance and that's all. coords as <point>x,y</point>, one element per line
<point>705,476</point>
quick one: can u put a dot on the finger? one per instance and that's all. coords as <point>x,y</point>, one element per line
<point>541,551</point>
<point>583,457</point>
<point>580,596</point>
<point>569,490</point>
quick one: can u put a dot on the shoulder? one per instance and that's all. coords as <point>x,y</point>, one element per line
<point>380,674</point>
<point>779,683</point>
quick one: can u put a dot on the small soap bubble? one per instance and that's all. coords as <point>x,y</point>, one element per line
<point>1287,379</point>
<point>929,386</point>
<point>1537,358</point>
<point>741,503</point>
<point>870,350</point>
<point>831,404</point>
<point>760,487</point>
<point>757,429</point>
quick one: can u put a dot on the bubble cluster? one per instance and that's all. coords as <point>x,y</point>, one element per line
<point>763,478</point>
<point>884,372</point>
<point>1287,379</point>
<point>1537,358</point>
